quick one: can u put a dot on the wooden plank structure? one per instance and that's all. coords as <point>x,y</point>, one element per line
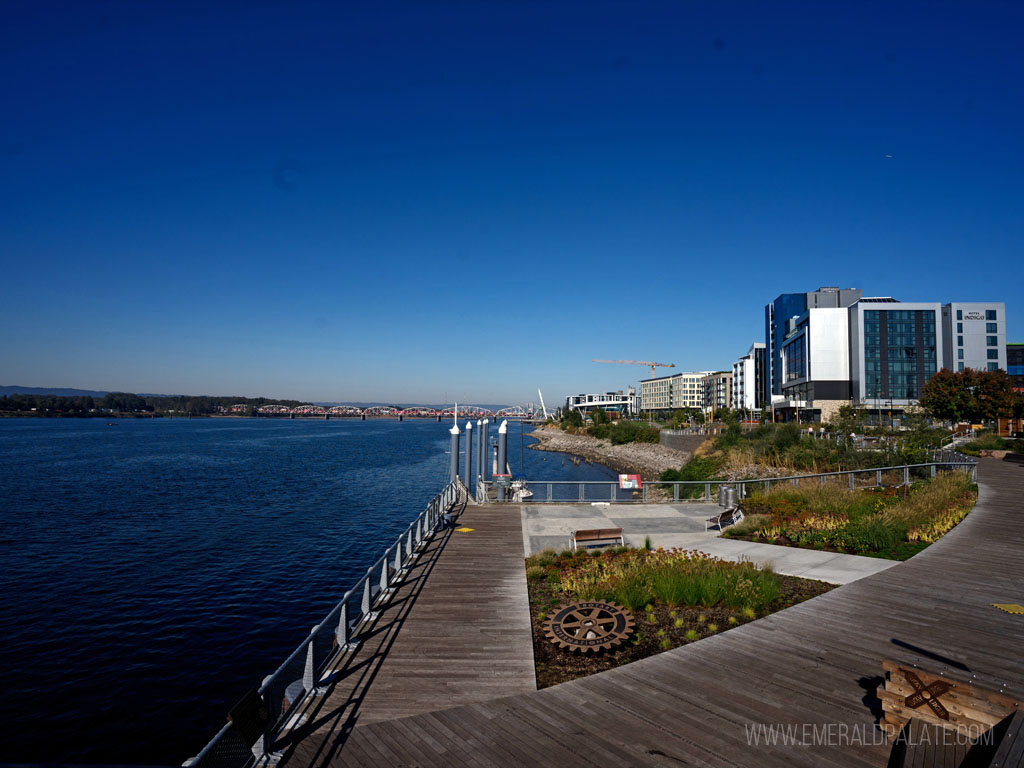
<point>596,537</point>
<point>457,631</point>
<point>798,688</point>
<point>954,704</point>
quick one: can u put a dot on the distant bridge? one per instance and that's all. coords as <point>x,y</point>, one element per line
<point>528,411</point>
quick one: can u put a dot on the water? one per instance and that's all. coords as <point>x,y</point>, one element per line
<point>153,570</point>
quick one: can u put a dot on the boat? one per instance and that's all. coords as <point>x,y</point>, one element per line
<point>519,489</point>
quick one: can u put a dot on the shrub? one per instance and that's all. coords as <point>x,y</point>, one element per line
<point>691,635</point>
<point>535,573</point>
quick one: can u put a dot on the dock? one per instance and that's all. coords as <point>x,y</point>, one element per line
<point>453,684</point>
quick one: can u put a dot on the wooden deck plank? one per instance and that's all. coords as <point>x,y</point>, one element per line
<point>812,664</point>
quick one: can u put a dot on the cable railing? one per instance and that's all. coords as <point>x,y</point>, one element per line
<point>277,707</point>
<point>610,492</point>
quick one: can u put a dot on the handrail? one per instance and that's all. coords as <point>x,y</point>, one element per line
<point>608,491</point>
<point>307,670</point>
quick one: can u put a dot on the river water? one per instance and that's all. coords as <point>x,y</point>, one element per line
<point>151,571</point>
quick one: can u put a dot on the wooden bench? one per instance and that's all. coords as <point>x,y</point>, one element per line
<point>729,517</point>
<point>597,537</point>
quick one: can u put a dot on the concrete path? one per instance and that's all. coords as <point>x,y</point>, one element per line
<point>682,525</point>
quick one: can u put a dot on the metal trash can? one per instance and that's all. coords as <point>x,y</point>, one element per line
<point>730,498</point>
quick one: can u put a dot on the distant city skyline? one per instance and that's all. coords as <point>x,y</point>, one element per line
<point>388,204</point>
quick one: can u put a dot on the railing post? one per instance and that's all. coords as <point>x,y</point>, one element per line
<point>400,571</point>
<point>851,481</point>
<point>675,491</point>
<point>341,634</point>
<point>310,681</point>
<point>933,470</point>
<point>384,578</point>
<point>366,605</point>
<point>906,475</point>
<point>549,491</point>
<point>878,478</point>
<point>707,492</point>
<point>581,486</point>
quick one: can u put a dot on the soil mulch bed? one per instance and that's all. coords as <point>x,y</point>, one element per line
<point>559,666</point>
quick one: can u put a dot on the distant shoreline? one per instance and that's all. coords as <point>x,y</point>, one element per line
<point>648,460</point>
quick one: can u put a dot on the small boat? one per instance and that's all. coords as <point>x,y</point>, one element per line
<point>519,489</point>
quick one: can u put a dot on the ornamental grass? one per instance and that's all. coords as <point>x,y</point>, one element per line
<point>675,577</point>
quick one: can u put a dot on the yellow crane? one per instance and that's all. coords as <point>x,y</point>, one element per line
<point>638,362</point>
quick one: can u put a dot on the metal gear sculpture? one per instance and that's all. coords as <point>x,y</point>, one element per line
<point>589,626</point>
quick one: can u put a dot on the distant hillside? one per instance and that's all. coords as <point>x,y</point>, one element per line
<point>58,392</point>
<point>55,391</point>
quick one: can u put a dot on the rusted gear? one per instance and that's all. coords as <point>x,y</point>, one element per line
<point>589,626</point>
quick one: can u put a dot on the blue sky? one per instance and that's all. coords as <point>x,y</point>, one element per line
<point>387,201</point>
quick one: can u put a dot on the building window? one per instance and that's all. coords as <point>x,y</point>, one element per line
<point>990,314</point>
<point>991,328</point>
<point>960,367</point>
<point>959,314</point>
<point>993,366</point>
<point>959,327</point>
<point>991,341</point>
<point>960,354</point>
<point>993,354</point>
<point>959,341</point>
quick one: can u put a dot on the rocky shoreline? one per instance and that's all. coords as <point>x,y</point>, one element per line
<point>648,460</point>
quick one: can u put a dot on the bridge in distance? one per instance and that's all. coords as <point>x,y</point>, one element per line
<point>527,412</point>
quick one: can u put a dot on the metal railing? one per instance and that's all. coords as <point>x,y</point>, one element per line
<point>608,491</point>
<point>309,670</point>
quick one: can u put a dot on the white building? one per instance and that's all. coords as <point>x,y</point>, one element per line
<point>815,361</point>
<point>974,336</point>
<point>608,401</point>
<point>748,379</point>
<point>669,393</point>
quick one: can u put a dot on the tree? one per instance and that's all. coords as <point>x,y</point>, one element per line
<point>968,395</point>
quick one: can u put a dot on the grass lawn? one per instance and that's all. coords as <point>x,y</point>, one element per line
<point>676,598</point>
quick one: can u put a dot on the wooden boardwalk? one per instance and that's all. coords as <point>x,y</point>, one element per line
<point>813,668</point>
<point>456,632</point>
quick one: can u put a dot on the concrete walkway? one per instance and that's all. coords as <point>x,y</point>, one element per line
<point>682,525</point>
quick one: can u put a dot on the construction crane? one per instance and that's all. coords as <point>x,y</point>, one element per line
<point>639,362</point>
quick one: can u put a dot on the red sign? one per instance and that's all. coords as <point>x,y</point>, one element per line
<point>629,482</point>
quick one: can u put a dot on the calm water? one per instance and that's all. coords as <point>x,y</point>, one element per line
<point>153,570</point>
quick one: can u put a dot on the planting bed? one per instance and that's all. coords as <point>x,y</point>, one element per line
<point>659,626</point>
<point>891,523</point>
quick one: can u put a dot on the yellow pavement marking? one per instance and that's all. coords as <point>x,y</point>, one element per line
<point>1009,607</point>
<point>470,530</point>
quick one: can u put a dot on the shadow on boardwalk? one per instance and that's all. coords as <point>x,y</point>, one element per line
<point>456,632</point>
<point>795,688</point>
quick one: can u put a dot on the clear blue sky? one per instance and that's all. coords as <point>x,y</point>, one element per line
<point>381,201</point>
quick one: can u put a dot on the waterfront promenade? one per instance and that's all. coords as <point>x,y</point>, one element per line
<point>813,666</point>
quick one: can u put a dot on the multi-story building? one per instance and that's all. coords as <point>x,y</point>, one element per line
<point>618,402</point>
<point>895,347</point>
<point>748,379</point>
<point>815,362</point>
<point>668,393</point>
<point>717,388</point>
<point>974,336</point>
<point>1015,365</point>
<point>776,318</point>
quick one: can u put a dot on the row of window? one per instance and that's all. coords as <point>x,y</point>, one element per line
<point>991,366</point>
